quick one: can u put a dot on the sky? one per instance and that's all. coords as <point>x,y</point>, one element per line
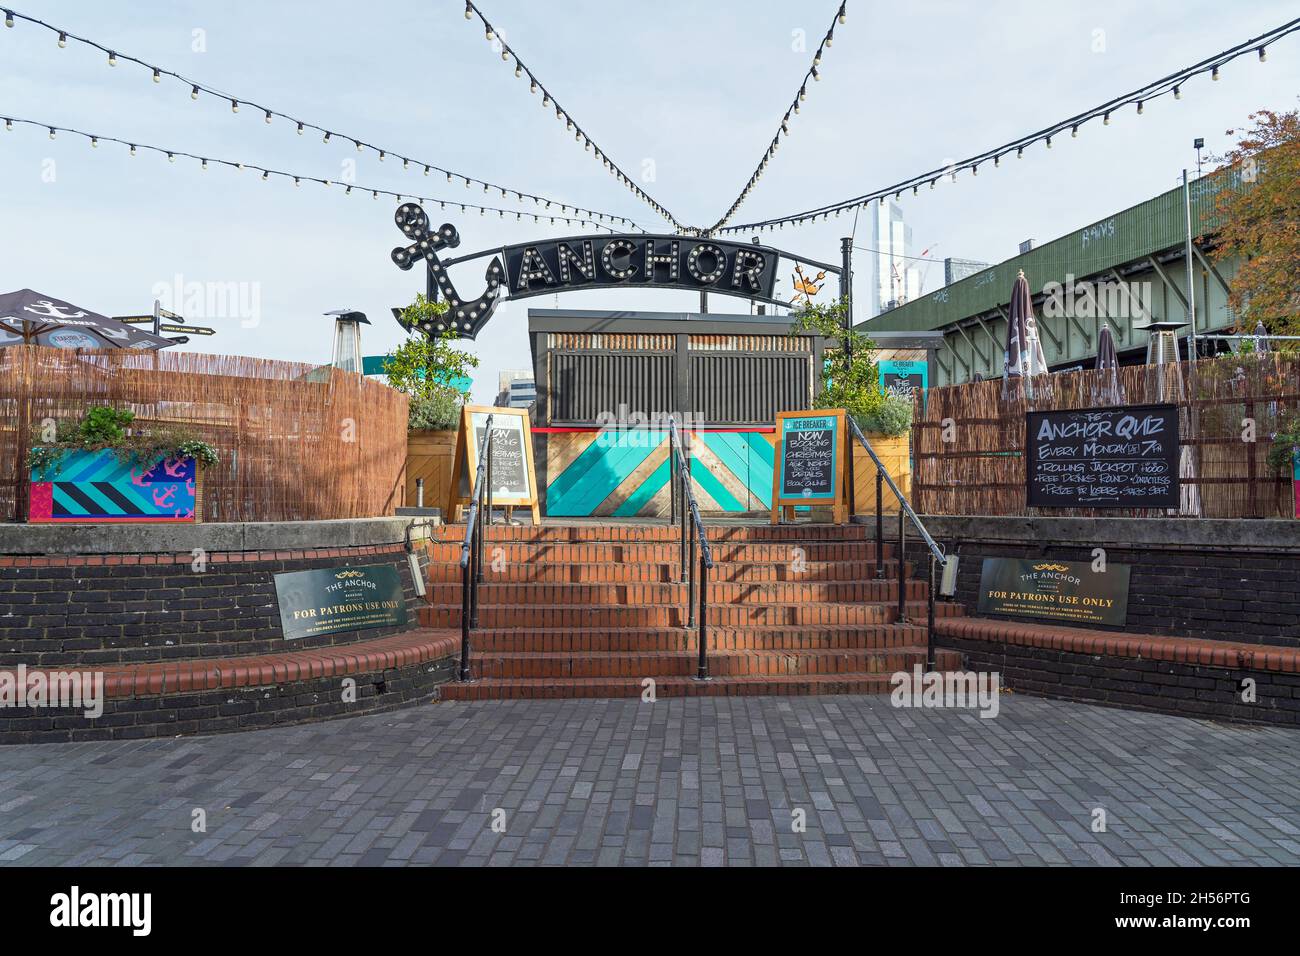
<point>689,94</point>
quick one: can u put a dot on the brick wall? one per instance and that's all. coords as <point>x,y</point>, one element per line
<point>130,608</point>
<point>1212,595</point>
<point>1163,686</point>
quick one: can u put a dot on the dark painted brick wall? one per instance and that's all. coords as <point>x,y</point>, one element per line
<point>1163,686</point>
<point>112,613</point>
<point>1240,596</point>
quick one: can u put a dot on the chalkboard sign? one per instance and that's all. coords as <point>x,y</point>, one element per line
<point>1123,457</point>
<point>513,475</point>
<point>510,472</point>
<point>904,378</point>
<point>810,468</point>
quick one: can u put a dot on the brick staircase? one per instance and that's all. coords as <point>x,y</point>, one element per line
<point>595,610</point>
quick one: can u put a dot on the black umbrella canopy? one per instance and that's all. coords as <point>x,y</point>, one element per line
<point>33,318</point>
<point>1022,357</point>
<point>1107,390</point>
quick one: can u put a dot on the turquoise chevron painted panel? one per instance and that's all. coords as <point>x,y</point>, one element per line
<point>602,468</point>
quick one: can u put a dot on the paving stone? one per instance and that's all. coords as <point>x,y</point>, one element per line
<point>697,781</point>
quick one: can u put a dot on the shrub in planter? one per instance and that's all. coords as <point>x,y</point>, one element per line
<point>891,418</point>
<point>99,472</point>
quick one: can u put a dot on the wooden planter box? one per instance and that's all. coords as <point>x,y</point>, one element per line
<point>96,487</point>
<point>429,456</point>
<point>895,454</point>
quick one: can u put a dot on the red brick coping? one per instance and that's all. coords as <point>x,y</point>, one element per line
<point>187,557</point>
<point>1182,650</point>
<point>190,676</point>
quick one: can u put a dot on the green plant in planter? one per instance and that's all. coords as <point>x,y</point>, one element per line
<point>425,365</point>
<point>892,418</point>
<point>103,428</point>
<point>1284,444</point>
<point>850,379</point>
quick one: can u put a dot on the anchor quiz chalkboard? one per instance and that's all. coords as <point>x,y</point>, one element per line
<point>810,467</point>
<point>1125,457</point>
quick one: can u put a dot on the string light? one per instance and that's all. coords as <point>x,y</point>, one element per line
<point>1139,98</point>
<point>197,87</point>
<point>94,139</point>
<point>563,115</point>
<point>785,124</point>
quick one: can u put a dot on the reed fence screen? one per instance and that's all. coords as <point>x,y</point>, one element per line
<point>295,441</point>
<point>969,442</point>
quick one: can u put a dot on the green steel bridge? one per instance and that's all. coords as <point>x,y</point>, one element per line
<point>1127,270</point>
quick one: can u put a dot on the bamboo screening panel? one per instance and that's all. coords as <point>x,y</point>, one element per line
<point>969,441</point>
<point>296,441</point>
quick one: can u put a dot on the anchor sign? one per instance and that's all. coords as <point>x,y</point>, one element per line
<point>465,317</point>
<point>48,310</point>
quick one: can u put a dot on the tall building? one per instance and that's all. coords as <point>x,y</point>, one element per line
<point>954,270</point>
<point>895,278</point>
<point>517,389</point>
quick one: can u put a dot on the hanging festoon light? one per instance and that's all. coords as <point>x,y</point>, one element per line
<point>784,129</point>
<point>1169,84</point>
<point>563,115</point>
<point>196,87</point>
<point>94,139</point>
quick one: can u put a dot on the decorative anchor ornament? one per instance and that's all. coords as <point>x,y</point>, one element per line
<point>49,310</point>
<point>465,318</point>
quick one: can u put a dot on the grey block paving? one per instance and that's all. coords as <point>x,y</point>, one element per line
<point>809,781</point>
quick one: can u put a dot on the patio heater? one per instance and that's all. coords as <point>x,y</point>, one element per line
<point>1162,352</point>
<point>347,339</point>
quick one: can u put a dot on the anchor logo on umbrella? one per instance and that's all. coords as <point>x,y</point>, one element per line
<point>49,310</point>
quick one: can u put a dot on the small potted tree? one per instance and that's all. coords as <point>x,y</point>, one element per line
<point>850,379</point>
<point>435,376</point>
<point>103,470</point>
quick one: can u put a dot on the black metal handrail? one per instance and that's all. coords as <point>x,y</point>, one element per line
<point>471,549</point>
<point>691,517</point>
<point>905,511</point>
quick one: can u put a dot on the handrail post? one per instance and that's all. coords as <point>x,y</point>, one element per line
<point>695,579</point>
<point>929,615</point>
<point>902,565</point>
<point>488,516</point>
<point>880,523</point>
<point>683,566</point>
<point>465,586</point>
<point>702,635</point>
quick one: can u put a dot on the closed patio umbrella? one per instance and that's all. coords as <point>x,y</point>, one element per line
<point>1023,358</point>
<point>1107,390</point>
<point>33,318</point>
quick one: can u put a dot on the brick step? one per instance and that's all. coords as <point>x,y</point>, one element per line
<point>551,533</point>
<point>722,663</point>
<point>683,640</point>
<point>491,593</point>
<point>665,572</point>
<point>656,616</point>
<point>575,687</point>
<point>659,553</point>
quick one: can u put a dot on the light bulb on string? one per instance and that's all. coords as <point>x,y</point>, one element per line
<point>63,40</point>
<point>112,58</point>
<point>157,75</point>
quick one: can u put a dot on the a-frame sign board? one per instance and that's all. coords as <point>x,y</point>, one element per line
<point>812,452</point>
<point>514,479</point>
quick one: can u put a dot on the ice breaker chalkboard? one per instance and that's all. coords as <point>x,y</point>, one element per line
<point>339,599</point>
<point>1124,457</point>
<point>513,477</point>
<point>810,467</point>
<point>1067,591</point>
<point>904,378</point>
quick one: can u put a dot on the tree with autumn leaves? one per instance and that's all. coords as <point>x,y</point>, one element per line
<point>1260,222</point>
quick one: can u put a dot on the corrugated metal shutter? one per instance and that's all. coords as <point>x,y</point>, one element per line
<point>588,385</point>
<point>748,389</point>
